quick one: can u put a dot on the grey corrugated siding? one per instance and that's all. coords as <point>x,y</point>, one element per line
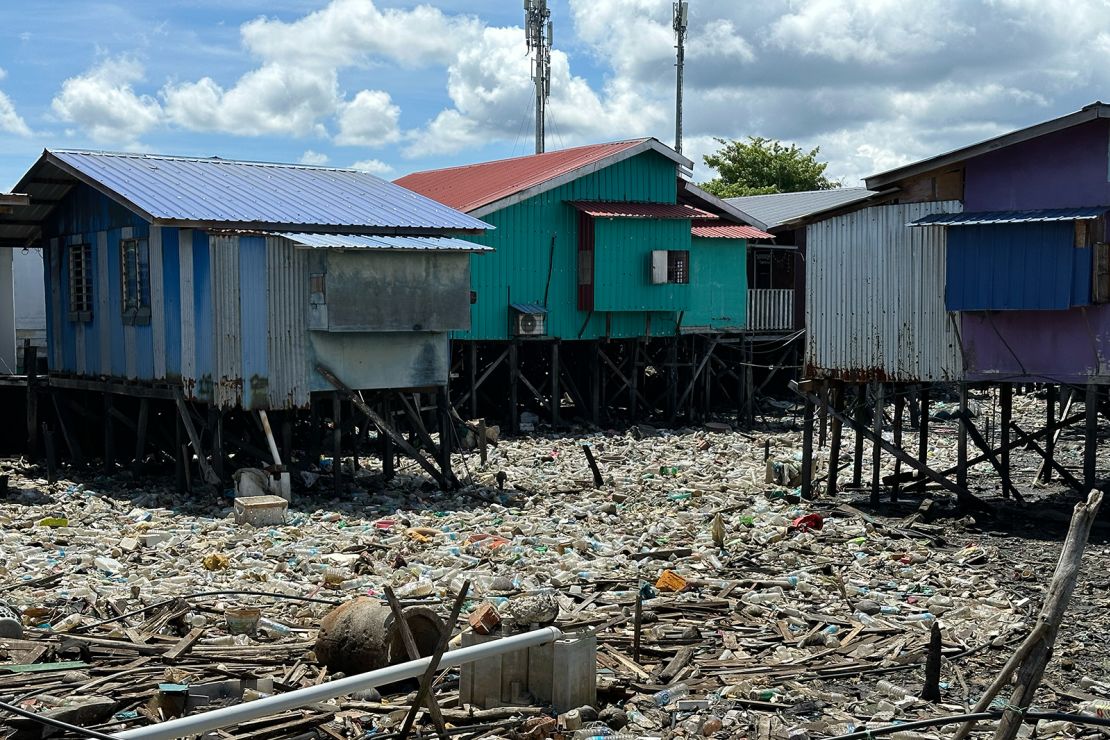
<point>225,299</point>
<point>875,297</point>
<point>287,285</point>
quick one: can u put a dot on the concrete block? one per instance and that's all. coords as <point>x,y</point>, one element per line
<point>480,681</point>
<point>260,511</point>
<point>574,673</point>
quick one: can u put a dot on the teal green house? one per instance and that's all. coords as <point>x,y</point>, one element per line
<point>592,246</point>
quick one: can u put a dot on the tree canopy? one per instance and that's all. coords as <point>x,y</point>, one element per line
<point>759,166</point>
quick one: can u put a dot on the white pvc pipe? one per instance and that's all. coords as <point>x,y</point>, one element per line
<point>226,716</point>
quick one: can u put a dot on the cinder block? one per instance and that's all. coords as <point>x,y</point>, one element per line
<point>480,681</point>
<point>574,673</point>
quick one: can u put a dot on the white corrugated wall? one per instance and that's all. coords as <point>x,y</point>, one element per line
<point>287,284</point>
<point>875,297</point>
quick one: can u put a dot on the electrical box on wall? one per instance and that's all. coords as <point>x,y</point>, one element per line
<point>659,266</point>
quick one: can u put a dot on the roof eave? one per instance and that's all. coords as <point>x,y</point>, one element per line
<point>723,205</point>
<point>852,204</point>
<point>1089,113</point>
<point>586,169</point>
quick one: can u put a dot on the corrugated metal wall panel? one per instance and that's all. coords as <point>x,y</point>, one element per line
<point>719,276</point>
<point>253,322</point>
<point>875,297</point>
<point>226,324</point>
<point>287,286</point>
<point>1003,267</point>
<point>171,301</point>
<point>203,313</point>
<point>622,264</point>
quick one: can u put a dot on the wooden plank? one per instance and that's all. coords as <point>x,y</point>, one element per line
<point>183,646</point>
<point>210,476</point>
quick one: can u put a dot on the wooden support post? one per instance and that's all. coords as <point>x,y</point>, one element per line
<point>388,453</point>
<point>823,416</point>
<point>51,455</point>
<point>483,442</point>
<point>961,441</point>
<point>337,443</point>
<point>1029,440</point>
<point>913,405</point>
<point>899,412</point>
<point>749,383</point>
<point>589,453</point>
<point>472,373</point>
<point>71,441</point>
<point>179,453</point>
<point>637,624</point>
<point>30,368</point>
<point>807,449</point>
<point>923,424</point>
<point>216,419</point>
<point>931,690</point>
<point>861,417</point>
<point>141,427</point>
<point>672,377</point>
<point>556,394</point>
<point>287,438</point>
<point>446,441</point>
<point>1006,404</point>
<point>514,381</point>
<point>876,448</point>
<point>109,434</point>
<point>634,381</point>
<point>837,398</point>
<point>982,444</point>
<point>414,654</point>
<point>1050,425</point>
<point>194,438</point>
<point>1090,436</point>
<point>314,433</point>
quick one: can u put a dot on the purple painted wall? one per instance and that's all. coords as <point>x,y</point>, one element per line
<point>1067,169</point>
<point>1037,346</point>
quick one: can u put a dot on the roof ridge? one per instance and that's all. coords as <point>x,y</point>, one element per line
<point>207,160</point>
<point>502,160</point>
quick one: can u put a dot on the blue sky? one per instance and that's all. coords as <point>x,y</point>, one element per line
<point>395,86</point>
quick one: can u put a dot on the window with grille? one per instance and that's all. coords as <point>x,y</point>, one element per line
<point>134,260</point>
<point>678,266</point>
<point>80,282</point>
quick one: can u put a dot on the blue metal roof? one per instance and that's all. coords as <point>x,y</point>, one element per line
<point>205,192</point>
<point>984,218</point>
<point>386,243</point>
<point>529,308</point>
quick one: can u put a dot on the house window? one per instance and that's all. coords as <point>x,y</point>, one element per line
<point>670,266</point>
<point>678,266</point>
<point>80,282</point>
<point>317,289</point>
<point>134,259</point>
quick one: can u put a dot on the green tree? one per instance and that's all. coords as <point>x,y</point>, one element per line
<point>758,166</point>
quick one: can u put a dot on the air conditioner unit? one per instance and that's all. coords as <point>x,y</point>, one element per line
<point>529,320</point>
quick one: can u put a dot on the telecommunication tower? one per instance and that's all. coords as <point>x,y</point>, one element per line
<point>680,11</point>
<point>537,30</point>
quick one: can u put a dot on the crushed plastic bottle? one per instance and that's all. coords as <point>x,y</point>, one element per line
<point>671,694</point>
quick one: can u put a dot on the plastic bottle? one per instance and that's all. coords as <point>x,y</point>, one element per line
<point>671,694</point>
<point>594,730</point>
<point>891,690</point>
<point>1096,707</point>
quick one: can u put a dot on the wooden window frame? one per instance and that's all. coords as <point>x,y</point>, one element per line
<point>80,282</point>
<point>678,266</point>
<point>134,260</point>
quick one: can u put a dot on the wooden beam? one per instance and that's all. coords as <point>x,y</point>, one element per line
<point>1064,472</point>
<point>206,470</point>
<point>876,448</point>
<point>977,438</point>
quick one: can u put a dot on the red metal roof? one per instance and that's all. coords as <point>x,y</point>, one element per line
<point>725,230</point>
<point>472,186</point>
<point>639,210</point>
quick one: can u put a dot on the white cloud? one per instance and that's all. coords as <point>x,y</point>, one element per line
<point>10,121</point>
<point>103,102</point>
<point>313,157</point>
<point>371,119</point>
<point>374,167</point>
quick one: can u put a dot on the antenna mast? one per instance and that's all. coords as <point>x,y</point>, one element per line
<point>680,10</point>
<point>537,30</point>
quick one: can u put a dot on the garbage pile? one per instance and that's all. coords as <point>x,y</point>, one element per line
<point>722,604</point>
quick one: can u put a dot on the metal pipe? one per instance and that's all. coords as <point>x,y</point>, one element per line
<point>269,436</point>
<point>228,716</point>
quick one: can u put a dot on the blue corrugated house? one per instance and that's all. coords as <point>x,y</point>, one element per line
<point>229,282</point>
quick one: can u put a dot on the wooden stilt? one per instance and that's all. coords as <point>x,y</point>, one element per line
<point>876,448</point>
<point>899,411</point>
<point>634,381</point>
<point>514,381</point>
<point>1050,425</point>
<point>109,434</point>
<point>961,442</point>
<point>837,393</point>
<point>807,450</point>
<point>913,405</point>
<point>823,416</point>
<point>1090,437</point>
<point>287,438</point>
<point>472,372</point>
<point>595,382</point>
<point>314,433</point>
<point>141,429</point>
<point>672,378</point>
<point>337,443</point>
<point>217,421</point>
<point>556,393</point>
<point>71,441</point>
<point>861,418</point>
<point>30,368</point>
<point>388,454</point>
<point>923,425</point>
<point>446,441</point>
<point>179,453</point>
<point>51,455</point>
<point>209,475</point>
<point>1006,405</point>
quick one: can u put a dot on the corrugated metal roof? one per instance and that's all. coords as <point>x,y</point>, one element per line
<point>778,208</point>
<point>724,230</point>
<point>473,186</point>
<point>609,209</point>
<point>385,243</point>
<point>14,199</point>
<point>1010,217</point>
<point>211,191</point>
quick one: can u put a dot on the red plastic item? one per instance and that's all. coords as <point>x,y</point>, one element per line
<point>808,522</point>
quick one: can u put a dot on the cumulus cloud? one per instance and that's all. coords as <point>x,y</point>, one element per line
<point>313,157</point>
<point>373,166</point>
<point>370,119</point>
<point>10,121</point>
<point>103,102</point>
